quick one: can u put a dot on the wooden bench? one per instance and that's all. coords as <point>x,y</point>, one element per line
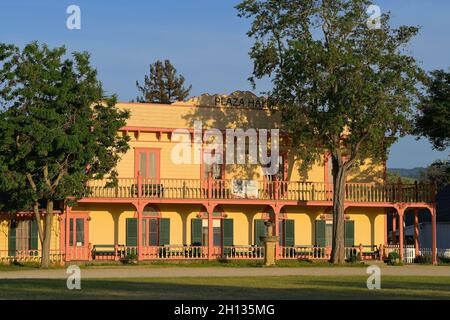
<point>103,250</point>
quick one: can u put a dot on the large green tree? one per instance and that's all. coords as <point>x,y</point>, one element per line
<point>433,121</point>
<point>341,84</point>
<point>57,131</point>
<point>163,85</point>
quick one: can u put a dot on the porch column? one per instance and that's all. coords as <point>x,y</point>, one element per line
<point>67,233</point>
<point>139,231</point>
<point>276,219</point>
<point>394,228</point>
<point>400,232</point>
<point>210,210</point>
<point>433,235</point>
<point>416,231</point>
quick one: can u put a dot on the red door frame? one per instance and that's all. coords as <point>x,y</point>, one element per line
<point>86,247</point>
<point>138,151</point>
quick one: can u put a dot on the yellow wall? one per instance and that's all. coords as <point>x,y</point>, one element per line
<point>4,229</point>
<point>107,224</point>
<point>183,115</point>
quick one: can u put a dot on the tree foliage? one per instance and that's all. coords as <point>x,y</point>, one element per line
<point>433,121</point>
<point>439,173</point>
<point>340,85</point>
<point>57,130</point>
<point>163,85</point>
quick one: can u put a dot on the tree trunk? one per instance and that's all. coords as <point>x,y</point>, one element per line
<point>45,258</point>
<point>338,247</point>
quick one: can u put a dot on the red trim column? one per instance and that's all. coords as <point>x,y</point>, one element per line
<point>400,233</point>
<point>276,218</point>
<point>394,228</point>
<point>67,233</point>
<point>139,230</point>
<point>210,210</point>
<point>416,231</point>
<point>433,236</point>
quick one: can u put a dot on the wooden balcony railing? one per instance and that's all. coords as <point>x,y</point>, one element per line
<point>261,190</point>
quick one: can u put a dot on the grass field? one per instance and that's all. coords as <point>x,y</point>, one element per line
<point>282,288</point>
<point>189,264</point>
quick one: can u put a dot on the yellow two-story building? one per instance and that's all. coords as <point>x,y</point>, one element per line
<point>173,203</point>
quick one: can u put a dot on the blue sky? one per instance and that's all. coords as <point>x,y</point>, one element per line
<point>204,39</point>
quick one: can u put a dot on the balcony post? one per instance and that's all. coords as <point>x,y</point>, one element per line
<point>139,182</point>
<point>276,188</point>
<point>210,182</point>
<point>433,235</point>
<point>400,231</point>
<point>416,231</point>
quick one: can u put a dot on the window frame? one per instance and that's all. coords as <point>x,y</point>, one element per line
<point>137,161</point>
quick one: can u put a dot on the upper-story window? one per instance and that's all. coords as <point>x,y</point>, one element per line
<point>281,174</point>
<point>216,168</point>
<point>147,163</point>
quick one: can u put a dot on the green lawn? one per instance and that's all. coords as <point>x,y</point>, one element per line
<point>191,264</point>
<point>304,287</point>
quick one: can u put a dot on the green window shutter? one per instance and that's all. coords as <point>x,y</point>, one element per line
<point>281,232</point>
<point>71,232</point>
<point>131,232</point>
<point>33,235</point>
<point>196,232</point>
<point>349,233</point>
<point>260,230</point>
<point>164,231</point>
<point>228,232</point>
<point>12,238</point>
<point>320,233</point>
<point>289,232</point>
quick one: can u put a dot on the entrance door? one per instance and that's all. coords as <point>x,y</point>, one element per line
<point>78,237</point>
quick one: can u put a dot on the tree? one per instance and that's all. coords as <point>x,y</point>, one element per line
<point>340,84</point>
<point>163,85</point>
<point>433,121</point>
<point>439,173</point>
<point>57,131</point>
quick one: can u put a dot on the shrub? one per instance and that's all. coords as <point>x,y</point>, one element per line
<point>444,260</point>
<point>394,258</point>
<point>354,258</point>
<point>130,258</point>
<point>423,259</point>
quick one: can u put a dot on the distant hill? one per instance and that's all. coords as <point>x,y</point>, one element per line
<point>414,173</point>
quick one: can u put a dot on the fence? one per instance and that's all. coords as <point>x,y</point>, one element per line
<point>264,190</point>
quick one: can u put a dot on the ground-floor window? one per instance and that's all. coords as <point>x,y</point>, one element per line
<point>22,236</point>
<point>76,232</point>
<point>222,232</point>
<point>286,232</point>
<point>155,231</point>
<point>324,233</point>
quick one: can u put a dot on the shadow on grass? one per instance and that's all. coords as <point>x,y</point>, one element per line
<point>271,288</point>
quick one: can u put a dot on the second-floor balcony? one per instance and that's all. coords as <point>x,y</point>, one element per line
<point>232,189</point>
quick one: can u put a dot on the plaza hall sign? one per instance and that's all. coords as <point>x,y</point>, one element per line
<point>237,99</point>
